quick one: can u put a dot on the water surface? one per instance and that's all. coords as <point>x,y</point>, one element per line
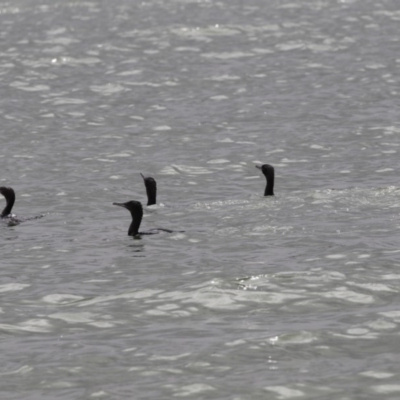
<point>295,296</point>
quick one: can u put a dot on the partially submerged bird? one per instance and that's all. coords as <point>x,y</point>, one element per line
<point>151,189</point>
<point>9,195</point>
<point>136,210</point>
<point>11,219</point>
<point>269,173</point>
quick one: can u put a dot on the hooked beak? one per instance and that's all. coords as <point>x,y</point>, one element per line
<point>258,166</point>
<point>119,204</point>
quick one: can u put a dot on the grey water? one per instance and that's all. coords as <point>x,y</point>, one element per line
<point>295,296</point>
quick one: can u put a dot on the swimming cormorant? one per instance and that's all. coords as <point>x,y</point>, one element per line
<point>151,189</point>
<point>11,219</point>
<point>269,173</point>
<point>136,210</point>
<point>9,195</point>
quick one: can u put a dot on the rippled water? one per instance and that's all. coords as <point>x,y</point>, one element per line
<point>291,297</point>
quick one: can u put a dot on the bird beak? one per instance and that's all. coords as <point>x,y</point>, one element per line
<point>119,204</point>
<point>142,176</point>
<point>258,166</point>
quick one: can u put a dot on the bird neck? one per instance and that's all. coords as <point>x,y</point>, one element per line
<point>151,195</point>
<point>137,216</point>
<point>7,209</point>
<point>269,189</point>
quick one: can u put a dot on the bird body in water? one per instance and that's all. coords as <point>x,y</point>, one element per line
<point>269,173</point>
<point>151,189</point>
<point>136,210</point>
<point>11,219</point>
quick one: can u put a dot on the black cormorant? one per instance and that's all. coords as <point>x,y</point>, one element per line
<point>136,210</point>
<point>11,219</point>
<point>9,195</point>
<point>269,173</point>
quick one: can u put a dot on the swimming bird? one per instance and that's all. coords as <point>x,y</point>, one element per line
<point>136,210</point>
<point>269,173</point>
<point>9,195</point>
<point>11,219</point>
<point>151,189</point>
